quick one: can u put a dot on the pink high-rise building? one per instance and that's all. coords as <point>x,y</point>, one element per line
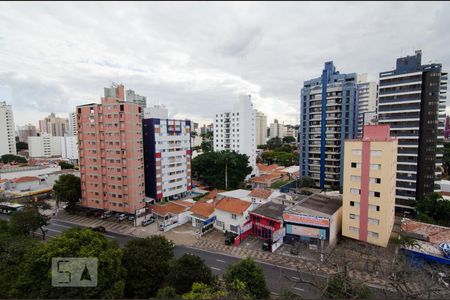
<point>111,155</point>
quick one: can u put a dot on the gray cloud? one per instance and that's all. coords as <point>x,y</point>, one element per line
<point>197,57</point>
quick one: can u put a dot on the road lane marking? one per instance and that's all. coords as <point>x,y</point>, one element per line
<point>110,236</point>
<point>299,289</point>
<point>273,293</point>
<point>217,269</point>
<point>58,225</point>
<point>295,278</point>
<point>222,261</point>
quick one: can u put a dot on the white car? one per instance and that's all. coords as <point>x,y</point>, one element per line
<point>122,217</point>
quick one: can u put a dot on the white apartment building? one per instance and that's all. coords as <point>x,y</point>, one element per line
<point>235,130</point>
<point>277,130</point>
<point>7,133</point>
<point>69,148</point>
<point>73,129</point>
<point>167,155</point>
<point>261,128</point>
<point>44,145</point>
<point>291,131</point>
<point>367,102</point>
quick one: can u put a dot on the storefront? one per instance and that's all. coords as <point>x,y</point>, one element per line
<point>316,221</point>
<point>267,223</point>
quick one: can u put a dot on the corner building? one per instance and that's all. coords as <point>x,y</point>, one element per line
<point>111,156</point>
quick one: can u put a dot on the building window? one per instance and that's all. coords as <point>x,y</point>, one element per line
<point>355,191</point>
<point>356,152</point>
<point>375,180</point>
<point>375,166</point>
<point>372,234</point>
<point>233,216</point>
<point>354,217</point>
<point>375,153</point>
<point>374,207</point>
<point>354,203</point>
<point>374,221</point>
<point>355,178</point>
<point>353,229</point>
<point>356,165</point>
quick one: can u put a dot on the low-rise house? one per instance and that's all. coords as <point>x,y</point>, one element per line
<point>231,214</point>
<point>26,183</point>
<point>266,180</point>
<point>170,214</point>
<point>238,194</point>
<point>267,223</point>
<point>203,215</point>
<point>260,196</point>
<point>267,169</point>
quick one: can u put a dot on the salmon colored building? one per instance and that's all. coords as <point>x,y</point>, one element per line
<point>111,155</point>
<point>370,166</point>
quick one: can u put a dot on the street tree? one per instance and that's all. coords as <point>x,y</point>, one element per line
<point>167,292</point>
<point>65,165</point>
<point>67,188</point>
<point>204,291</point>
<point>434,209</point>
<point>251,274</point>
<point>306,181</point>
<point>27,221</point>
<point>35,279</point>
<point>21,146</point>
<point>147,263</point>
<point>186,270</point>
<point>222,169</point>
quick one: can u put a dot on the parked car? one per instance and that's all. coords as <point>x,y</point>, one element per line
<point>98,213</point>
<point>266,245</point>
<point>229,238</point>
<point>162,226</point>
<point>99,229</point>
<point>107,214</point>
<point>131,217</point>
<point>122,217</point>
<point>148,221</point>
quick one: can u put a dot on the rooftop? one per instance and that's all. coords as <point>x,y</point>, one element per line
<point>264,178</point>
<point>202,209</point>
<point>268,168</point>
<point>261,193</point>
<point>433,233</point>
<point>25,179</point>
<point>271,210</point>
<point>319,204</point>
<point>233,205</point>
<point>239,194</point>
<point>212,194</point>
<point>168,208</point>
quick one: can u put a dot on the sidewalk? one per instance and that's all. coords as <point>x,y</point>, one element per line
<point>279,259</point>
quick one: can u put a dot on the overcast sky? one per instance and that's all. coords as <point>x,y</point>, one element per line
<point>196,58</point>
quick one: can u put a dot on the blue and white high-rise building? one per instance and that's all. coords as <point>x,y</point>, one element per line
<point>328,116</point>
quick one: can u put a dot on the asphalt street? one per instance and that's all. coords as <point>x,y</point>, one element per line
<point>277,278</point>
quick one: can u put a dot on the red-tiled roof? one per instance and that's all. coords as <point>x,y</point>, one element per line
<point>212,194</point>
<point>25,179</point>
<point>183,203</point>
<point>233,205</point>
<point>264,178</point>
<point>436,234</point>
<point>267,168</point>
<point>261,193</point>
<point>203,209</point>
<point>164,209</point>
<point>2,180</point>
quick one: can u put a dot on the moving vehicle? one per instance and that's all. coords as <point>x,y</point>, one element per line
<point>8,208</point>
<point>149,221</point>
<point>107,214</point>
<point>99,229</point>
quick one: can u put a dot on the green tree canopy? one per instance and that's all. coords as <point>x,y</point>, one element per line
<point>251,274</point>
<point>282,158</point>
<point>435,207</point>
<point>66,165</point>
<point>274,143</point>
<point>306,181</point>
<point>8,158</point>
<point>167,292</point>
<point>288,139</point>
<point>28,220</point>
<point>203,291</point>
<point>68,188</point>
<point>147,263</point>
<point>35,279</point>
<point>186,270</point>
<point>21,146</point>
<point>211,166</point>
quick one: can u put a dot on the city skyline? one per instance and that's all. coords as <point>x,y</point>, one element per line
<point>54,60</point>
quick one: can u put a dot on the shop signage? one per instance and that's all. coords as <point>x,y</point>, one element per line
<point>246,227</point>
<point>279,234</point>
<point>264,226</point>
<point>306,219</point>
<point>306,231</point>
<point>210,220</point>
